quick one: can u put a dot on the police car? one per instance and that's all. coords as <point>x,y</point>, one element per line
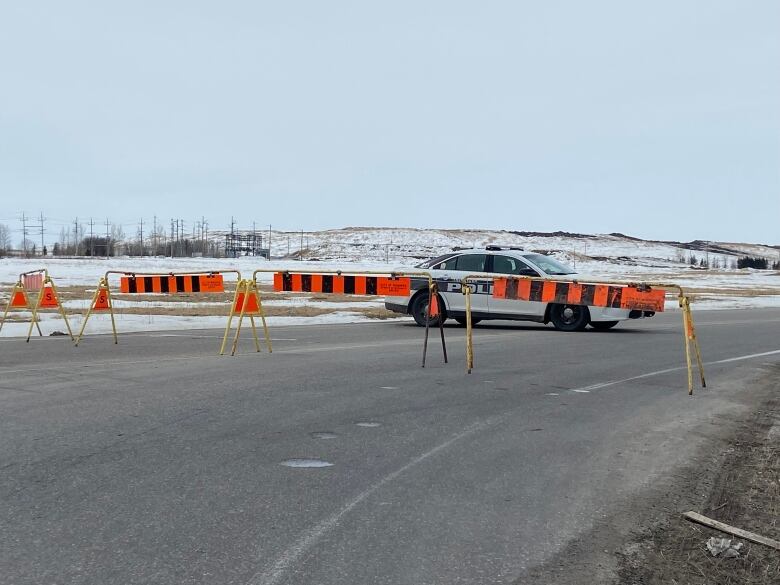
<point>449,270</point>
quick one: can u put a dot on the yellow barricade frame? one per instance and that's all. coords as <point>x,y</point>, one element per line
<point>18,287</point>
<point>432,290</point>
<point>246,287</point>
<point>103,285</point>
<point>689,331</point>
<point>47,282</point>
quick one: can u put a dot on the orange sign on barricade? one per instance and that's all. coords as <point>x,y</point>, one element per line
<point>47,299</point>
<point>19,301</point>
<point>246,303</point>
<point>101,302</point>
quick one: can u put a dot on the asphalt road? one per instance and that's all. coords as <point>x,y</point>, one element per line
<point>157,461</point>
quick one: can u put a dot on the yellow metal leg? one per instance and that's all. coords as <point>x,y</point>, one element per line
<point>230,318</point>
<point>62,309</point>
<point>469,340</point>
<point>265,325</point>
<point>254,333</point>
<point>35,315</point>
<point>86,317</point>
<point>241,316</point>
<point>690,336</point>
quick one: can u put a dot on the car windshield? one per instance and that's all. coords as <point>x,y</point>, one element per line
<point>550,265</point>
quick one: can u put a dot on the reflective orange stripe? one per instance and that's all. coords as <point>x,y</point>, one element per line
<point>548,291</point>
<point>575,294</point>
<point>600,297</point>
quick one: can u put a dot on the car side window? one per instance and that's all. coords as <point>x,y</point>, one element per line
<point>472,262</point>
<point>448,264</point>
<point>509,265</point>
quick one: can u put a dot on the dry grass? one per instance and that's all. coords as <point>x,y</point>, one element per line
<point>746,495</point>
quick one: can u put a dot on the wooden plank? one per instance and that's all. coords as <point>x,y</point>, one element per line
<point>751,536</point>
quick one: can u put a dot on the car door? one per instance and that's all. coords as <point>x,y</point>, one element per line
<point>449,275</point>
<point>513,266</point>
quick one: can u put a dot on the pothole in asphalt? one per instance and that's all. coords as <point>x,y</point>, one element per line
<point>323,435</point>
<point>306,463</point>
<point>369,424</point>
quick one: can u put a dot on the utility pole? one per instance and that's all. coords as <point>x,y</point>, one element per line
<point>171,237</point>
<point>108,242</point>
<point>76,232</point>
<point>24,235</point>
<point>43,246</point>
<point>269,241</point>
<point>142,236</point>
<point>154,236</point>
<point>91,238</point>
<point>300,254</point>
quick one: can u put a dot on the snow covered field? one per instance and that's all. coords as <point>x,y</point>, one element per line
<point>375,249</point>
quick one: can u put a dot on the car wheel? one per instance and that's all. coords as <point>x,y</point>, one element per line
<point>420,311</point>
<point>462,321</point>
<point>603,325</point>
<point>569,317</point>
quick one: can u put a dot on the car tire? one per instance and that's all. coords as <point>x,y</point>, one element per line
<point>419,311</point>
<point>604,325</point>
<point>569,317</point>
<point>462,321</point>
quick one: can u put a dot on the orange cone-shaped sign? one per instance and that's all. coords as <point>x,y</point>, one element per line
<point>435,306</point>
<point>101,302</point>
<point>49,298</point>
<point>251,304</point>
<point>19,300</point>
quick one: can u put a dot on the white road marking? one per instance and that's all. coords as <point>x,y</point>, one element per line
<point>677,369</point>
<point>293,554</point>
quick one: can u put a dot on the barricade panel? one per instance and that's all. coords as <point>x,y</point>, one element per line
<point>172,283</point>
<point>595,295</point>
<point>342,284</point>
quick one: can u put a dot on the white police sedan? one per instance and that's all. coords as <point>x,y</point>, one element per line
<point>449,269</point>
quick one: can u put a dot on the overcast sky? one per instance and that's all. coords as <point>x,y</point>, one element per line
<point>657,119</point>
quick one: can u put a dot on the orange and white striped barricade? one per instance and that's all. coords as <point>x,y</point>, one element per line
<point>152,283</point>
<point>368,283</point>
<point>48,298</point>
<point>614,294</point>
